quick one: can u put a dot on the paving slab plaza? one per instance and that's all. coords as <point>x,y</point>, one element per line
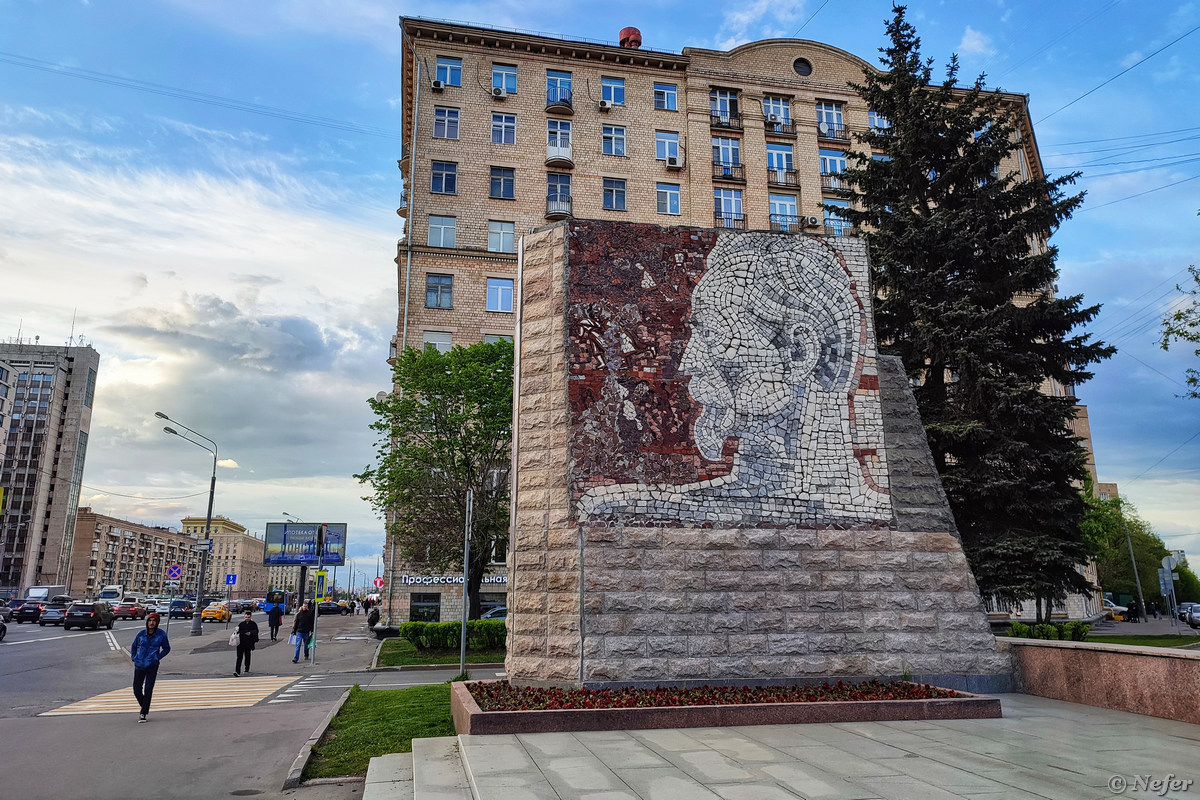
<point>1040,749</point>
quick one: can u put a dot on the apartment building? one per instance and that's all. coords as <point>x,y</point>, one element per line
<point>506,131</point>
<point>234,552</point>
<point>108,550</point>
<point>47,416</point>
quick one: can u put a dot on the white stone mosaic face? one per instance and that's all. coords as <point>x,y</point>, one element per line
<point>777,347</point>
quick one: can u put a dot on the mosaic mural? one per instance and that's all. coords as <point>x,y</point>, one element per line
<point>722,378</point>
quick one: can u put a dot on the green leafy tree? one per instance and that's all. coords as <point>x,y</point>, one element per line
<point>963,272</point>
<point>1183,325</point>
<point>446,429</point>
<point>1112,526</point>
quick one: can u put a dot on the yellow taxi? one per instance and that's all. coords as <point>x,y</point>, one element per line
<point>216,612</point>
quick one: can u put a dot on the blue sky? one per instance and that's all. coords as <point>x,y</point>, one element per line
<point>206,189</point>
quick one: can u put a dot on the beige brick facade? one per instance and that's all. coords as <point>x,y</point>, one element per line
<point>108,550</point>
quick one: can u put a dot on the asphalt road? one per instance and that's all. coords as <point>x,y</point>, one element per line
<point>48,750</point>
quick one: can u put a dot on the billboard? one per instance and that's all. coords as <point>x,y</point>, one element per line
<point>290,544</point>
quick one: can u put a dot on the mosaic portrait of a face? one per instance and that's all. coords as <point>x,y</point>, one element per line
<point>721,378</point>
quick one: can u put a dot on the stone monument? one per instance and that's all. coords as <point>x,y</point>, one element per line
<point>717,477</point>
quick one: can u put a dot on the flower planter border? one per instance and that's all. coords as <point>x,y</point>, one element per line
<point>469,718</point>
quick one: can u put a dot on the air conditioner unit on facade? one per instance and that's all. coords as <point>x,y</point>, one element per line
<point>605,105</point>
<point>774,119</point>
<point>813,221</point>
<point>499,93</point>
<point>437,86</point>
<point>674,162</point>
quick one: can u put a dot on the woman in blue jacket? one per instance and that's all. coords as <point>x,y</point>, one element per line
<point>149,647</point>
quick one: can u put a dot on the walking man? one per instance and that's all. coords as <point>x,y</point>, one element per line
<point>149,647</point>
<point>247,633</point>
<point>302,627</point>
<point>274,620</point>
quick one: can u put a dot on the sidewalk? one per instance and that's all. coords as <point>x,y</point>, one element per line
<point>1154,627</point>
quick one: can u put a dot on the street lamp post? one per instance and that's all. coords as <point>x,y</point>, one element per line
<point>197,626</point>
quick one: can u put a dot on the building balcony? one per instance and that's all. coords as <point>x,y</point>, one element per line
<point>833,181</point>
<point>832,133</point>
<point>558,207</point>
<point>837,227</point>
<point>783,177</point>
<point>736,221</point>
<point>728,172</point>
<point>559,156</point>
<point>728,121</point>
<point>402,209</point>
<point>787,223</point>
<point>780,128</point>
<point>558,100</point>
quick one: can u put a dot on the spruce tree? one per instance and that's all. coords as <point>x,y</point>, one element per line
<point>963,276</point>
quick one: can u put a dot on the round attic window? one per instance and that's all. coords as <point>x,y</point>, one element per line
<point>803,67</point>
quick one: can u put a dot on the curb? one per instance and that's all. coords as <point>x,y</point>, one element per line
<point>301,761</point>
<point>425,667</point>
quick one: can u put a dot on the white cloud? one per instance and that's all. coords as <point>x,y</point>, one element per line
<point>975,43</point>
<point>756,20</point>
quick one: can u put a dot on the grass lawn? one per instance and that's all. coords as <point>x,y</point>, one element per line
<point>397,652</point>
<point>375,723</point>
<point>1166,640</point>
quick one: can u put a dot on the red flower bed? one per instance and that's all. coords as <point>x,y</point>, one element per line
<point>502,696</point>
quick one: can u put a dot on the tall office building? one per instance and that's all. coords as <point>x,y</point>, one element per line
<point>49,413</point>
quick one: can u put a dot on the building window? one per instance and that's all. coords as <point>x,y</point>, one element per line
<point>424,607</point>
<point>613,137</point>
<point>783,209</point>
<point>613,90</point>
<point>558,186</point>
<point>878,122</point>
<point>779,157</point>
<point>445,178</point>
<point>723,103</point>
<point>727,151</point>
<point>445,123</point>
<point>504,128</point>
<point>504,76</point>
<point>492,338</point>
<point>439,291</point>
<point>558,133</point>
<point>500,293</point>
<point>500,240</point>
<point>439,340</point>
<point>727,207</point>
<point>614,194</point>
<point>503,183</point>
<point>835,223</point>
<point>666,145</point>
<point>558,87</point>
<point>449,70</point>
<point>781,107</point>
<point>668,198</point>
<point>829,118</point>
<point>441,231</point>
<point>833,162</point>
<point>665,96</point>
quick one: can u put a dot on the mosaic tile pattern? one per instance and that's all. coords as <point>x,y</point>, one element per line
<point>722,378</point>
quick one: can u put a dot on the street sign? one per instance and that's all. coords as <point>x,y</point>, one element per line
<point>174,572</point>
<point>379,583</point>
<point>1168,562</point>
<point>230,579</point>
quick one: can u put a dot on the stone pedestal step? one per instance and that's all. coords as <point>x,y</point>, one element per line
<point>390,777</point>
<point>438,772</point>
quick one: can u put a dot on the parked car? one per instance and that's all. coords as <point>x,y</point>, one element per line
<point>216,612</point>
<point>499,612</point>
<point>95,615</point>
<point>129,609</point>
<point>29,611</point>
<point>3,630</point>
<point>1182,609</point>
<point>12,606</point>
<point>330,607</point>
<point>6,612</point>
<point>181,609</point>
<point>1113,609</point>
<point>1193,616</point>
<point>53,614</point>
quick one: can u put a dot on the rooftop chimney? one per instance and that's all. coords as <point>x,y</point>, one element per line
<point>631,38</point>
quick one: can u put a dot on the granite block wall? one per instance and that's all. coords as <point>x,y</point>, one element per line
<point>717,478</point>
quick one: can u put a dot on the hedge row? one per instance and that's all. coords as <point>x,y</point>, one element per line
<point>482,634</point>
<point>1070,631</point>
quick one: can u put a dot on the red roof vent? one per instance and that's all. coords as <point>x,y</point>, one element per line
<point>631,38</point>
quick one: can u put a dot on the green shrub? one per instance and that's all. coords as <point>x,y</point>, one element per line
<point>486,634</point>
<point>414,633</point>
<point>482,634</point>
<point>1075,631</point>
<point>1045,631</point>
<point>1020,630</point>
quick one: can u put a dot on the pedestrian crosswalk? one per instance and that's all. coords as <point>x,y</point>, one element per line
<point>182,695</point>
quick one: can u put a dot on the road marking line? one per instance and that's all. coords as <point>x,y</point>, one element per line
<point>181,695</point>
<point>112,641</point>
